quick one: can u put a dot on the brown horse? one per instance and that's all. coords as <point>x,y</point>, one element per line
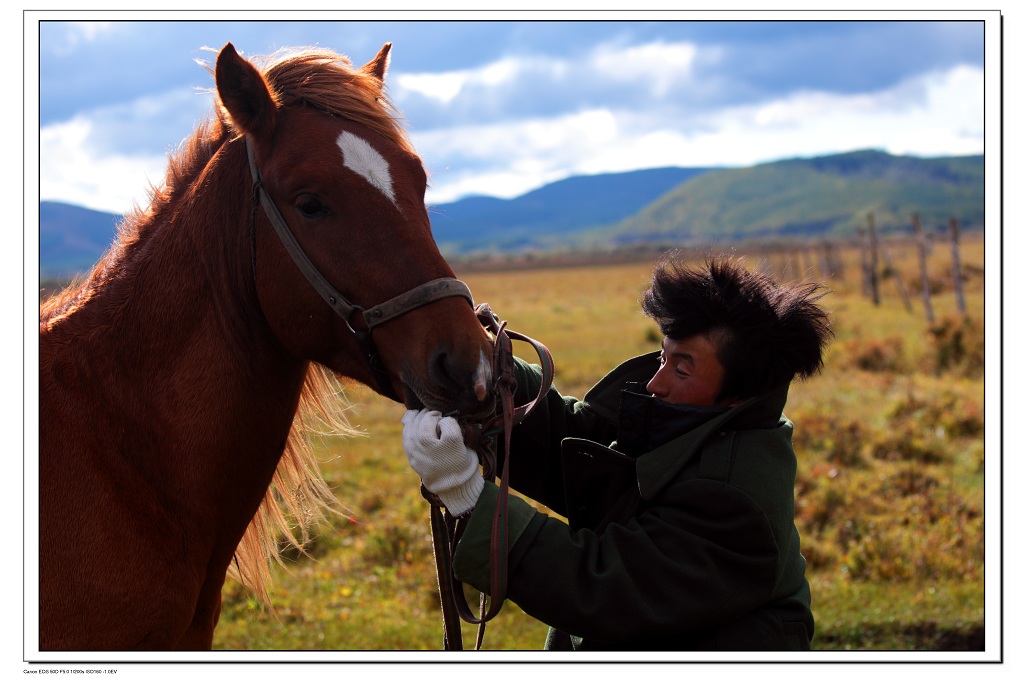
<point>170,377</point>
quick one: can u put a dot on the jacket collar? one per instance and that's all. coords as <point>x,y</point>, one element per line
<point>603,398</point>
<point>657,467</point>
<point>647,422</point>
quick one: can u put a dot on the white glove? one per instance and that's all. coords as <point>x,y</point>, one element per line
<point>433,444</point>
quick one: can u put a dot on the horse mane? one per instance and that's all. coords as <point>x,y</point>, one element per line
<point>183,167</point>
<point>298,496</point>
<point>325,80</point>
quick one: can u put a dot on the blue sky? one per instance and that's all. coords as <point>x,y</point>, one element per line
<point>502,107</point>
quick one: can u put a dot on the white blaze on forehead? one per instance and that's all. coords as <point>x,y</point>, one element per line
<point>366,161</point>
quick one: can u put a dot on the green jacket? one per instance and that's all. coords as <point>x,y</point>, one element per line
<point>689,546</point>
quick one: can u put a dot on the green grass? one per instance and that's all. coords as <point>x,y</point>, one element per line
<point>890,489</point>
<point>894,617</point>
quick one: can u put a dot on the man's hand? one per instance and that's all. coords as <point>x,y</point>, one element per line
<point>433,444</point>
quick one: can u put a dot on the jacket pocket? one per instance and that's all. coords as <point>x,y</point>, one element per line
<point>600,484</point>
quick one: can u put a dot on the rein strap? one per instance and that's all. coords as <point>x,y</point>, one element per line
<point>446,531</point>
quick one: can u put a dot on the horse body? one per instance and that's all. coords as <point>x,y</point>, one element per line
<point>170,379</point>
<point>161,431</point>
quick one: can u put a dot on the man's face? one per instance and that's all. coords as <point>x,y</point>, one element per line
<point>690,373</point>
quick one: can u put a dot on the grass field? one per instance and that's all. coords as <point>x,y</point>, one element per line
<point>890,491</point>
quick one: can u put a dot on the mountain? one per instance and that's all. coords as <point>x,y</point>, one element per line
<point>828,196</point>
<point>543,215</point>
<point>72,238</point>
<point>815,197</point>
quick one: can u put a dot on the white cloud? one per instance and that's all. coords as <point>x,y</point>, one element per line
<point>90,30</point>
<point>507,159</point>
<point>931,114</point>
<point>655,67</point>
<point>444,87</point>
<point>934,114</point>
<point>447,85</point>
<point>70,171</point>
<point>661,65</point>
<point>83,161</point>
<point>78,33</point>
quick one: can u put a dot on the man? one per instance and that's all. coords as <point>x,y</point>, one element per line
<point>675,472</point>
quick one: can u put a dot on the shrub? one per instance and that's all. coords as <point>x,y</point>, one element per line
<point>822,507</point>
<point>911,444</point>
<point>947,412</point>
<point>958,345</point>
<point>873,355</point>
<point>949,545</point>
<point>393,544</point>
<point>840,440</point>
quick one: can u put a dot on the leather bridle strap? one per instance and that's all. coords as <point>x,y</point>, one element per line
<point>421,295</point>
<point>445,530</point>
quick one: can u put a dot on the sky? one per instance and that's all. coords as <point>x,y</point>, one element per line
<point>501,107</point>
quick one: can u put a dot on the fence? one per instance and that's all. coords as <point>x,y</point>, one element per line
<point>874,257</point>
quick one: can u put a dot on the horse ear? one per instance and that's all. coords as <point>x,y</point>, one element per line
<point>378,66</point>
<point>244,94</point>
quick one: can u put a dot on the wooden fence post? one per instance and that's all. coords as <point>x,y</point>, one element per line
<point>834,257</point>
<point>896,276</point>
<point>873,259</point>
<point>825,261</point>
<point>922,255</point>
<point>865,277</point>
<point>958,279</point>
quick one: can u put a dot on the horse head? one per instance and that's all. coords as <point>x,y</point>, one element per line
<point>327,157</point>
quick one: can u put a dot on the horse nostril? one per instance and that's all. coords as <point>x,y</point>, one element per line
<point>458,381</point>
<point>440,371</point>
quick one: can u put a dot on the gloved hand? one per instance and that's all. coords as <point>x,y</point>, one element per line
<point>433,444</point>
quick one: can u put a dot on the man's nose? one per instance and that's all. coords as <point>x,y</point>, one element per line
<point>654,385</point>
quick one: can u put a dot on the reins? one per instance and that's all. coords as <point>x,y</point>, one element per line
<point>446,531</point>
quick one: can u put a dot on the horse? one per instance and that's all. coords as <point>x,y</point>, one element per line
<point>287,250</point>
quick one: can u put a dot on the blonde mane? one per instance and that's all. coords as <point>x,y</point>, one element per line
<point>325,80</point>
<point>298,496</point>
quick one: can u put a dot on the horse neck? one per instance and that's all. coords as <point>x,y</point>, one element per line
<point>171,343</point>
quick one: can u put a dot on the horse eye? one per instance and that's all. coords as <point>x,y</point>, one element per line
<point>311,207</point>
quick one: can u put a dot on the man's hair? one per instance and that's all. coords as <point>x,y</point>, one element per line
<point>765,334</point>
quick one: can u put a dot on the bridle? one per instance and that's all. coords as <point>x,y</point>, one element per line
<point>421,295</point>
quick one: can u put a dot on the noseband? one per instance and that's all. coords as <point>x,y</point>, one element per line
<point>425,293</point>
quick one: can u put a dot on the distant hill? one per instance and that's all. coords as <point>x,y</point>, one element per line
<point>72,238</point>
<point>815,197</point>
<point>551,212</point>
<point>828,196</point>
